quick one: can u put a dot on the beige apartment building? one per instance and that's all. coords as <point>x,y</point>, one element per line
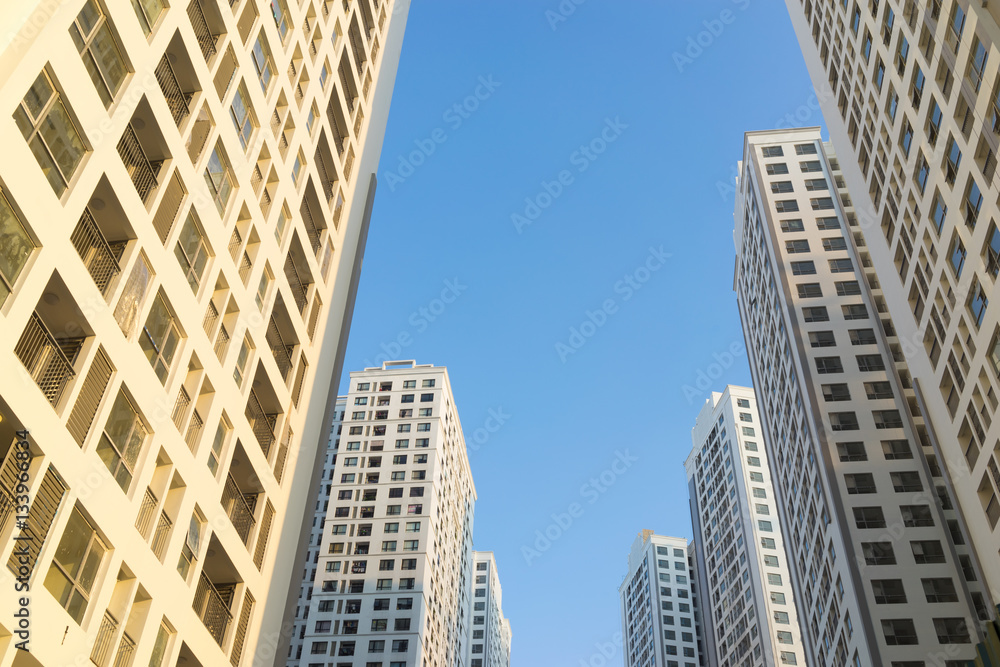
<point>913,111</point>
<point>184,200</point>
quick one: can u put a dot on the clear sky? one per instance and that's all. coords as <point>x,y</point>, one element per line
<point>587,189</point>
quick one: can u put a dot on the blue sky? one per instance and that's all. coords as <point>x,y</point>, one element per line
<point>577,215</point>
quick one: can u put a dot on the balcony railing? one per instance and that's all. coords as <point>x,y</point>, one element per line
<point>105,637</point>
<point>46,358</point>
<point>261,423</point>
<point>325,177</point>
<point>239,510</point>
<point>193,430</point>
<point>245,266</point>
<point>180,408</point>
<point>221,342</point>
<point>206,40</point>
<point>312,231</point>
<point>126,651</point>
<point>100,257</point>
<point>211,317</point>
<point>146,513</point>
<point>212,609</point>
<point>235,241</point>
<point>177,100</point>
<point>161,535</point>
<point>282,351</point>
<point>142,172</point>
<point>299,291</point>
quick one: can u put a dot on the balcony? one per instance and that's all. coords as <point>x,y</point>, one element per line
<point>261,423</point>
<point>147,512</point>
<point>161,535</point>
<point>99,256</point>
<point>141,170</point>
<point>47,360</point>
<point>310,219</point>
<point>177,100</point>
<point>212,604</point>
<point>281,348</point>
<point>203,32</point>
<point>297,273</point>
<point>240,508</point>
<point>105,640</point>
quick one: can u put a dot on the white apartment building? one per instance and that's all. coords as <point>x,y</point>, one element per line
<point>912,101</point>
<point>315,541</point>
<point>184,201</point>
<point>393,583</point>
<point>660,620</point>
<point>748,607</point>
<point>880,567</point>
<point>489,644</point>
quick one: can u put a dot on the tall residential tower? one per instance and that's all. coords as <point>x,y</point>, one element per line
<point>877,553</point>
<point>184,201</point>
<point>911,95</point>
<point>749,611</point>
<point>395,568</point>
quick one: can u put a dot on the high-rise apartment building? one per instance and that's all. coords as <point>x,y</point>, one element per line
<point>315,540</point>
<point>748,607</point>
<point>659,605</point>
<point>489,644</point>
<point>912,102</point>
<point>184,201</point>
<point>880,567</point>
<point>393,582</point>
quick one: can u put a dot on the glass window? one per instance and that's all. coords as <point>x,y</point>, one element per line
<point>148,12</point>
<point>219,177</point>
<point>241,113</point>
<point>75,566</point>
<point>192,252</point>
<point>122,440</point>
<point>50,132</point>
<point>262,62</point>
<point>91,32</point>
<point>15,248</point>
<point>215,455</point>
<point>241,361</point>
<point>159,338</point>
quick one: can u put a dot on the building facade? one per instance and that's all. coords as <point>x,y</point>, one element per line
<point>489,644</point>
<point>909,91</point>
<point>748,607</point>
<point>880,566</point>
<point>184,202</point>
<point>311,560</point>
<point>660,620</point>
<point>395,570</point>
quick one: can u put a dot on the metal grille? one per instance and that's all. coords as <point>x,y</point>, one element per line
<point>211,317</point>
<point>161,535</point>
<point>146,513</point>
<point>245,266</point>
<point>98,256</point>
<point>241,630</point>
<point>260,423</point>
<point>126,651</point>
<point>212,609</point>
<point>44,506</point>
<point>282,351</point>
<point>177,101</point>
<point>221,342</point>
<point>142,172</point>
<point>235,241</point>
<point>105,639</point>
<point>194,429</point>
<point>238,509</point>
<point>94,385</point>
<point>45,359</point>
<point>170,204</point>
<point>312,230</point>
<point>180,408</point>
<point>206,40</point>
<point>295,283</point>
<point>265,532</point>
